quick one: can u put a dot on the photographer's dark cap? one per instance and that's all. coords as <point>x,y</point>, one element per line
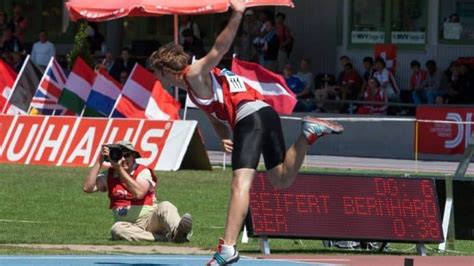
<point>129,146</point>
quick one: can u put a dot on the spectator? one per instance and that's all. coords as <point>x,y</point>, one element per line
<point>460,87</point>
<point>188,23</point>
<point>369,71</point>
<point>374,93</point>
<point>131,190</point>
<point>327,89</point>
<point>418,77</point>
<point>17,61</point>
<point>268,45</point>
<point>18,20</point>
<point>387,81</point>
<point>306,76</point>
<point>124,63</point>
<point>467,77</point>
<point>454,95</point>
<point>108,64</point>
<point>343,61</point>
<point>4,21</point>
<point>20,29</point>
<point>285,38</point>
<point>123,77</point>
<point>94,37</point>
<point>431,87</point>
<point>297,87</point>
<point>249,31</point>
<point>193,45</point>
<point>42,50</point>
<point>349,88</point>
<point>9,42</point>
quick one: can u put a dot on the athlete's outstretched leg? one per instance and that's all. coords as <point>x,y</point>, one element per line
<point>284,174</point>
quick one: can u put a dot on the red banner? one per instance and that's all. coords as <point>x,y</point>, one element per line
<point>74,141</point>
<point>444,138</point>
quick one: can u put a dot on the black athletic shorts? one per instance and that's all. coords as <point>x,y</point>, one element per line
<point>255,134</point>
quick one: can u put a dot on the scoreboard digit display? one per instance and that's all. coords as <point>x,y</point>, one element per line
<point>347,207</point>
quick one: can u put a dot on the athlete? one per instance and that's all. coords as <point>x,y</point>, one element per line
<point>256,126</point>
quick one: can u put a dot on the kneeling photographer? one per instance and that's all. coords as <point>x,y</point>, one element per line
<point>131,191</point>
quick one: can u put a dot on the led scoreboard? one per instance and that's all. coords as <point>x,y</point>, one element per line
<point>346,207</point>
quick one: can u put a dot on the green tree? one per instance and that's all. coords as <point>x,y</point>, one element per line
<point>81,48</point>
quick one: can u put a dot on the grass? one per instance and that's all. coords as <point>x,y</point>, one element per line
<point>46,205</point>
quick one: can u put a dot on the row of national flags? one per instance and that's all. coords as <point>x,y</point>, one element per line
<point>85,92</point>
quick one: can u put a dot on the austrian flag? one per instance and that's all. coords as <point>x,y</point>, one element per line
<point>144,97</point>
<point>271,85</point>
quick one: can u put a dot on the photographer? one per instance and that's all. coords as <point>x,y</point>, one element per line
<point>131,190</point>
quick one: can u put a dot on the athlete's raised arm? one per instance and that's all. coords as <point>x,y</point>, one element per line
<point>222,44</point>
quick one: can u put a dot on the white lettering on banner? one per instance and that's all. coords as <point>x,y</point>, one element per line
<point>84,147</point>
<point>11,155</point>
<point>114,132</point>
<point>35,143</point>
<point>99,148</point>
<point>149,147</point>
<point>7,137</point>
<point>68,142</point>
<point>139,129</point>
<point>128,134</point>
<point>407,37</point>
<point>49,143</point>
<point>450,144</point>
<point>368,37</point>
<point>76,141</point>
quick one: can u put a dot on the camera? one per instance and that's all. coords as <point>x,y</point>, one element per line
<point>115,153</point>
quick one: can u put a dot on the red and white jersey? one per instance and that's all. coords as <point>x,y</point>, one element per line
<point>380,102</point>
<point>120,196</point>
<point>228,91</point>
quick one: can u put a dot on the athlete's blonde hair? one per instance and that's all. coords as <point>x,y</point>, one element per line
<point>170,58</point>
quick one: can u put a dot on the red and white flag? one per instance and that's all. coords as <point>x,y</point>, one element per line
<point>7,79</point>
<point>144,97</point>
<point>271,85</point>
<point>162,106</point>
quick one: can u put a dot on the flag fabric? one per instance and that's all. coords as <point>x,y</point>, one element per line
<point>144,97</point>
<point>24,88</point>
<point>7,80</point>
<point>104,93</point>
<point>78,87</point>
<point>45,100</point>
<point>388,52</point>
<point>162,106</point>
<point>272,86</point>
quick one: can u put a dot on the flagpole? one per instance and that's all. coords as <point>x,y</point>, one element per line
<point>124,85</point>
<point>185,109</point>
<point>16,83</point>
<point>83,110</point>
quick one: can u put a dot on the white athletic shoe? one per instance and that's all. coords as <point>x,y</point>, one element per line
<point>225,255</point>
<point>313,128</point>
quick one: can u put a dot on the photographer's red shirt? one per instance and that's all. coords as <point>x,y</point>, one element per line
<point>122,201</point>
